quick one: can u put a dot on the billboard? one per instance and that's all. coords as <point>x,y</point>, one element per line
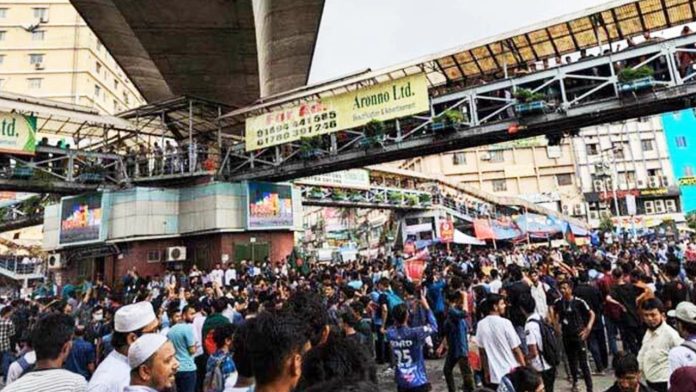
<point>81,219</point>
<point>383,101</point>
<point>17,133</point>
<point>269,206</point>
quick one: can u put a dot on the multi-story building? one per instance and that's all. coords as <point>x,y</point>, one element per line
<point>681,143</point>
<point>530,169</point>
<point>48,51</point>
<point>625,171</point>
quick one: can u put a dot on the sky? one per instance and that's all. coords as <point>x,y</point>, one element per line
<point>358,34</point>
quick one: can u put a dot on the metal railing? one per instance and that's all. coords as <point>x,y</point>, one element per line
<point>20,266</point>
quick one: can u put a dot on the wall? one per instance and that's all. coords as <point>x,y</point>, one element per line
<point>682,124</point>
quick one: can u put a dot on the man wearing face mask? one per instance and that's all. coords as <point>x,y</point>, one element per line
<point>130,322</point>
<point>153,364</point>
<point>653,356</point>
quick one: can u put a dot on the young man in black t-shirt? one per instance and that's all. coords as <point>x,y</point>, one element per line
<point>674,291</point>
<point>574,318</point>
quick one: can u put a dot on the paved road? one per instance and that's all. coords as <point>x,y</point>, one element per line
<point>437,379</point>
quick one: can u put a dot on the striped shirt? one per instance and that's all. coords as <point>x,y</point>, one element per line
<point>49,380</point>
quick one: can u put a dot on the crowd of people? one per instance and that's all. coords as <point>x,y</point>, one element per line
<point>511,320</point>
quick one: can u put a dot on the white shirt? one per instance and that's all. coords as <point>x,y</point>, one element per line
<point>230,275</point>
<point>198,321</point>
<point>217,275</point>
<point>653,356</point>
<point>49,380</point>
<point>539,295</point>
<point>682,356</point>
<point>15,370</point>
<point>497,336</point>
<point>112,375</point>
<point>494,286</point>
<point>532,333</point>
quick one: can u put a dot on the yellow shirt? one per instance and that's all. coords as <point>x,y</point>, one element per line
<point>653,357</point>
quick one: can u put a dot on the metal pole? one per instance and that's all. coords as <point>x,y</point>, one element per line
<point>190,129</point>
<point>526,216</point>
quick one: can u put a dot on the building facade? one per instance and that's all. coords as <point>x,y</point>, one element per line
<point>625,171</point>
<point>529,169</point>
<point>681,143</point>
<point>48,51</point>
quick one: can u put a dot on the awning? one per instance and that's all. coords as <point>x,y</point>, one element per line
<point>463,239</point>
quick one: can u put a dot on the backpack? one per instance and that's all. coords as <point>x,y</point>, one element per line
<point>25,365</point>
<point>552,351</point>
<point>393,300</point>
<point>214,380</point>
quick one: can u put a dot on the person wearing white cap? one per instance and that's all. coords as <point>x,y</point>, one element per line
<point>153,364</point>
<point>130,322</point>
<point>684,354</point>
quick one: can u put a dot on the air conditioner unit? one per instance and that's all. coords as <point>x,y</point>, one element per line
<point>44,19</point>
<point>579,210</point>
<point>39,66</point>
<point>653,182</point>
<point>176,253</point>
<point>641,184</point>
<point>594,214</point>
<point>671,205</point>
<point>486,157</point>
<point>649,207</point>
<point>598,185</point>
<point>566,210</point>
<point>659,206</point>
<point>665,181</point>
<point>54,261</point>
<point>610,184</point>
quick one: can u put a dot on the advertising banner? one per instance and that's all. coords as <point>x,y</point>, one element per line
<point>269,206</point>
<point>17,134</point>
<point>446,231</point>
<point>383,101</point>
<point>81,219</point>
<point>354,178</point>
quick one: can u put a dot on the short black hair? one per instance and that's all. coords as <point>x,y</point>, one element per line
<point>50,333</point>
<point>566,282</point>
<point>339,358</point>
<point>525,379</point>
<point>272,340</point>
<point>220,304</point>
<point>672,269</point>
<point>4,311</point>
<point>494,273</point>
<point>491,300</point>
<point>241,355</point>
<point>625,363</point>
<point>653,303</point>
<point>340,385</point>
<point>220,334</point>
<point>309,308</point>
<point>399,313</point>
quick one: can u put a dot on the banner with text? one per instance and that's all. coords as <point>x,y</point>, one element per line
<point>17,133</point>
<point>383,101</point>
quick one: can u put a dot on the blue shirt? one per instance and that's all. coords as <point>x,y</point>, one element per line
<point>81,354</point>
<point>225,362</point>
<point>456,331</point>
<point>407,346</point>
<point>377,315</point>
<point>181,336</point>
<point>436,296</point>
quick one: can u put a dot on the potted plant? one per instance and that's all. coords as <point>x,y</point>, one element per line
<point>374,134</point>
<point>635,79</point>
<point>380,197</point>
<point>310,147</point>
<point>356,196</point>
<point>425,199</point>
<point>395,197</point>
<point>339,195</point>
<point>450,119</point>
<point>411,199</point>
<point>529,102</point>
<point>315,193</point>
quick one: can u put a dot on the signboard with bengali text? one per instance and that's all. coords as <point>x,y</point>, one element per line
<point>354,178</point>
<point>384,101</point>
<point>17,134</point>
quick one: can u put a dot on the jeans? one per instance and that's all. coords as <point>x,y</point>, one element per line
<point>611,335</point>
<point>630,337</point>
<point>464,368</point>
<point>549,378</point>
<point>598,346</point>
<point>577,354</point>
<point>381,347</point>
<point>186,381</point>
<point>200,362</point>
<point>5,361</point>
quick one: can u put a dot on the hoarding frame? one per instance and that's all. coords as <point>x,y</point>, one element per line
<point>247,199</point>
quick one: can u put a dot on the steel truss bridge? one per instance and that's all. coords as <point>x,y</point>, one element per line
<point>580,94</point>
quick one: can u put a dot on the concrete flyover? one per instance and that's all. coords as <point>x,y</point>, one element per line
<point>230,51</point>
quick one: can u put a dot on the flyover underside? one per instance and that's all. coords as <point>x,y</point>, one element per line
<point>672,99</point>
<point>48,186</point>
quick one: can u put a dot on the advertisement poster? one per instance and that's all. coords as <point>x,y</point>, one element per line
<point>446,231</point>
<point>81,219</point>
<point>269,206</point>
<point>384,101</point>
<point>17,134</point>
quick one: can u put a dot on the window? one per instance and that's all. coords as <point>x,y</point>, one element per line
<point>564,179</point>
<point>680,141</point>
<point>646,145</point>
<point>592,149</point>
<point>497,156</point>
<point>36,58</point>
<point>649,207</point>
<point>98,67</point>
<point>154,256</point>
<point>3,13</point>
<point>499,185</point>
<point>40,13</point>
<point>628,177</point>
<point>3,33</point>
<point>34,83</point>
<point>125,98</point>
<point>688,171</point>
<point>115,84</point>
<point>97,90</point>
<point>459,158</point>
<point>619,150</point>
<point>38,35</point>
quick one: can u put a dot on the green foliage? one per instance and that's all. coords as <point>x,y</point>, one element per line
<point>525,95</point>
<point>411,199</point>
<point>605,224</point>
<point>425,198</point>
<point>375,128</point>
<point>631,74</point>
<point>394,196</point>
<point>339,194</point>
<point>451,116</point>
<point>309,144</point>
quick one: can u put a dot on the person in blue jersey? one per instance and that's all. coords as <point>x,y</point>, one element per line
<point>407,347</point>
<point>456,333</point>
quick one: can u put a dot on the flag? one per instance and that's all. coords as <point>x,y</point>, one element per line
<point>569,236</point>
